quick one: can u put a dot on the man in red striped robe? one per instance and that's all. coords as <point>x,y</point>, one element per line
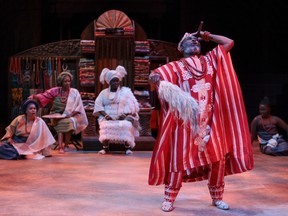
<point>204,132</point>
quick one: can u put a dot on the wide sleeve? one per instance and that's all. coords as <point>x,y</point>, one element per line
<point>40,136</point>
<point>48,96</point>
<point>99,104</point>
<point>127,102</point>
<point>75,104</point>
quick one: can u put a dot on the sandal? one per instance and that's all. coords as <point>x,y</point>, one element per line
<point>167,206</point>
<point>66,148</point>
<point>61,151</point>
<point>128,152</point>
<point>103,151</point>
<point>38,157</point>
<point>220,204</point>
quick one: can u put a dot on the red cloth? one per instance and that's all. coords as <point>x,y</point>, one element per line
<point>175,149</point>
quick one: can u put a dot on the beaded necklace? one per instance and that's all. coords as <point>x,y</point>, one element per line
<point>64,95</point>
<point>196,73</point>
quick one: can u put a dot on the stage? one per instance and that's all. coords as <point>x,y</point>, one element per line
<point>84,183</point>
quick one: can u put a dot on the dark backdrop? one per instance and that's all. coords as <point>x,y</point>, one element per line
<point>259,29</point>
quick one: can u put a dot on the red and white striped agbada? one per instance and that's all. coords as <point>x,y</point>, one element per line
<point>175,149</point>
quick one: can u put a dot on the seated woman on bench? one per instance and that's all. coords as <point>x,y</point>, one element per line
<point>117,110</point>
<point>67,103</point>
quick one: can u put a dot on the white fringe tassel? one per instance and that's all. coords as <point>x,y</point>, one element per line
<point>181,104</point>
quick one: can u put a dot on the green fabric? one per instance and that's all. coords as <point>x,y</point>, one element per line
<point>59,104</point>
<point>61,125</point>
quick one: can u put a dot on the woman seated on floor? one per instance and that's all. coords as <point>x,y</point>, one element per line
<point>117,110</point>
<point>265,131</point>
<point>27,136</point>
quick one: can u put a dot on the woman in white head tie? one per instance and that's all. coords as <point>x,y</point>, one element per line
<point>117,110</point>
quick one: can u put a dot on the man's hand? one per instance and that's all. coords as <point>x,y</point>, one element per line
<point>202,145</point>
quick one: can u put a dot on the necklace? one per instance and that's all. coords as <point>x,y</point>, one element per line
<point>268,126</point>
<point>197,74</point>
<point>64,95</point>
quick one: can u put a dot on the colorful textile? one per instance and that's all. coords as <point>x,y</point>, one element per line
<point>222,116</point>
<point>39,137</point>
<point>73,104</point>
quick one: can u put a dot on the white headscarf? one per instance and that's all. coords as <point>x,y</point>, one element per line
<point>107,75</point>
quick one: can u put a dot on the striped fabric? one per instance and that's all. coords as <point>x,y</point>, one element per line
<point>74,104</point>
<point>63,125</point>
<point>175,149</point>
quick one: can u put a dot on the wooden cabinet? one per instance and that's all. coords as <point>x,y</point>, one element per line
<point>141,73</point>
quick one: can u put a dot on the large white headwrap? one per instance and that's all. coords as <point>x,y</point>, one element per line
<point>107,75</point>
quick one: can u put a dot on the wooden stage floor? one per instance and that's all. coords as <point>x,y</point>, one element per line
<point>83,183</point>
